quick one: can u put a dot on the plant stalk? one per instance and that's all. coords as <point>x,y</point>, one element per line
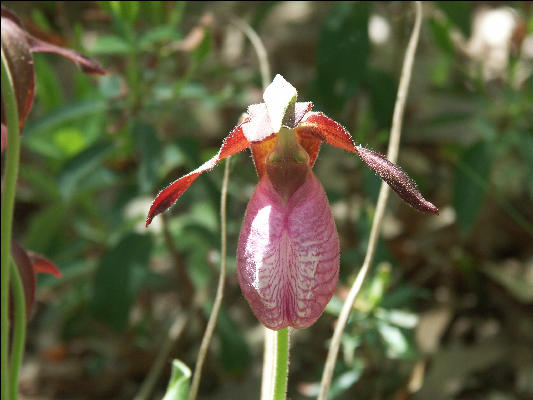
<point>282,364</point>
<point>8,204</point>
<point>19,330</point>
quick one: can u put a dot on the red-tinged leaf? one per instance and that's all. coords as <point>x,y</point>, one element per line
<point>328,130</point>
<point>20,63</point>
<point>86,64</point>
<point>42,265</point>
<point>397,179</point>
<point>234,143</point>
<point>27,274</point>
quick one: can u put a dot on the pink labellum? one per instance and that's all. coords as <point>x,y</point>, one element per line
<point>234,142</point>
<point>288,254</point>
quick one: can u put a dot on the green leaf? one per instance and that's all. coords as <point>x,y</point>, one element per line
<point>471,180</point>
<point>66,114</point>
<point>118,278</point>
<point>235,353</point>
<point>342,53</point>
<point>45,227</point>
<point>176,12</point>
<point>43,184</point>
<point>396,342</point>
<point>382,88</point>
<point>158,34</point>
<point>81,166</point>
<point>110,44</point>
<point>48,90</point>
<point>126,10</point>
<point>150,150</point>
<point>441,34</point>
<point>201,52</point>
<point>458,13</point>
<point>345,380</point>
<point>178,386</point>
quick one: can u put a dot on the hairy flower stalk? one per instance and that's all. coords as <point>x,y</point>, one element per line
<point>288,251</point>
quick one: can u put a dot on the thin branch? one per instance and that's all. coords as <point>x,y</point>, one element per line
<point>259,48</point>
<point>392,155</point>
<point>206,340</point>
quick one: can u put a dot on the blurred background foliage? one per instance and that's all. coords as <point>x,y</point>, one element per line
<point>447,311</point>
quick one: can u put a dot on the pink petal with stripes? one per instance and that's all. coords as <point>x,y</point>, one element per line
<point>288,254</point>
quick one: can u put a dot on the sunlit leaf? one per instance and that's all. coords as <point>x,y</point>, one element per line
<point>471,176</point>
<point>178,386</point>
<point>149,149</point>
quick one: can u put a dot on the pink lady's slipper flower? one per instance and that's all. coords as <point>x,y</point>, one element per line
<point>288,251</point>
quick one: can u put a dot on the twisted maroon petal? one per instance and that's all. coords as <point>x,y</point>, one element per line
<point>397,180</point>
<point>288,255</point>
<point>325,128</point>
<point>234,142</point>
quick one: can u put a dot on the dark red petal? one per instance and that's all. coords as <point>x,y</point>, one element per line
<point>87,65</point>
<point>27,274</point>
<point>328,130</point>
<point>397,180</point>
<point>234,142</point>
<point>42,265</point>
<point>318,124</point>
<point>20,63</point>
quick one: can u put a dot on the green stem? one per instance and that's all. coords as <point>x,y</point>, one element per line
<point>282,365</point>
<point>19,331</point>
<point>8,203</point>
